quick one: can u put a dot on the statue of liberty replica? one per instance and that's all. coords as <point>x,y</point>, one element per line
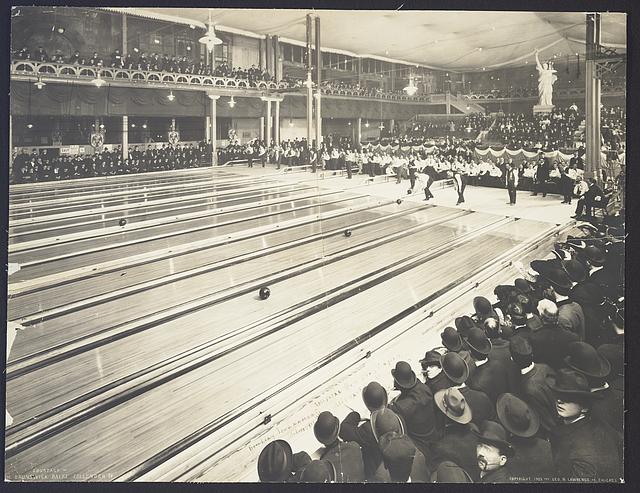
<point>546,78</point>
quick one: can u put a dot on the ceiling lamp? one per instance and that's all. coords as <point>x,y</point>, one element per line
<point>411,89</point>
<point>29,125</point>
<point>381,126</point>
<point>144,125</point>
<point>290,122</point>
<point>232,102</point>
<point>98,81</point>
<point>171,96</point>
<point>210,39</point>
<point>367,124</point>
<point>39,84</point>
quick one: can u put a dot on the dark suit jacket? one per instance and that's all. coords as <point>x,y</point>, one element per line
<point>586,450</point>
<point>440,382</point>
<point>536,392</point>
<point>610,408</point>
<point>589,296</point>
<point>533,460</point>
<point>457,445</point>
<point>351,430</point>
<point>571,317</point>
<point>490,378</point>
<point>481,406</point>
<point>550,344</point>
<point>346,457</point>
<point>416,407</point>
<point>500,475</point>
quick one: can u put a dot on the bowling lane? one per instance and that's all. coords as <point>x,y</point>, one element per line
<point>128,434</point>
<point>110,220</point>
<point>271,215</point>
<point>119,311</point>
<point>89,215</point>
<point>45,299</point>
<point>124,356</point>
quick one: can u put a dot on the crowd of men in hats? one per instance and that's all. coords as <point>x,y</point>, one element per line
<point>38,167</point>
<point>526,389</point>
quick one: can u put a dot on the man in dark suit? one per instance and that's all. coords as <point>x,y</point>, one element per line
<point>533,461</point>
<point>278,464</point>
<point>512,182</point>
<point>583,448</point>
<point>432,372</point>
<point>542,176</point>
<point>577,161</point>
<point>592,197</point>
<point>532,385</point>
<point>550,342</point>
<point>570,314</point>
<point>490,376</point>
<point>346,457</point>
<point>494,452</point>
<point>414,405</point>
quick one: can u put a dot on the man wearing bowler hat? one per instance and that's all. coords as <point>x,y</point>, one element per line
<point>493,451</point>
<point>550,342</point>
<point>414,405</point>
<point>319,471</point>
<point>457,372</point>
<point>346,457</point>
<point>277,463</point>
<point>533,384</point>
<point>490,376</point>
<point>432,372</point>
<point>403,461</point>
<point>453,339</point>
<point>355,429</point>
<point>533,461</point>
<point>583,448</point>
<point>570,314</point>
<point>458,442</point>
<point>609,407</point>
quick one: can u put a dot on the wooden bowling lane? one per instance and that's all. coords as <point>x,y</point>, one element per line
<point>130,433</point>
<point>158,341</point>
<point>86,251</point>
<point>101,221</point>
<point>169,268</point>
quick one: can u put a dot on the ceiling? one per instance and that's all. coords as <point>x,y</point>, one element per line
<point>452,40</point>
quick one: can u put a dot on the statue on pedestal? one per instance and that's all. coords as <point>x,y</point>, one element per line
<point>546,79</point>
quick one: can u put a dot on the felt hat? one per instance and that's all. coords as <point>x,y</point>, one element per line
<point>594,255</point>
<point>385,420</point>
<point>398,452</point>
<point>614,354</point>
<point>558,279</point>
<point>326,428</point>
<point>569,383</point>
<point>374,396</point>
<point>478,341</point>
<point>318,471</point>
<point>431,358</point>
<point>517,416</point>
<point>482,305</point>
<point>453,404</point>
<point>451,339</point>
<point>584,358</point>
<point>455,368</point>
<point>493,433</point>
<point>523,285</point>
<point>275,462</point>
<point>574,269</point>
<point>520,346</point>
<point>403,375</point>
<point>464,324</point>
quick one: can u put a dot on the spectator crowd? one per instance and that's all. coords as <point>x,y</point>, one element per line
<point>527,388</point>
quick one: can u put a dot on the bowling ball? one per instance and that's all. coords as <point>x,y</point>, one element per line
<point>347,233</point>
<point>399,201</point>
<point>265,292</point>
<point>409,192</point>
<point>122,222</point>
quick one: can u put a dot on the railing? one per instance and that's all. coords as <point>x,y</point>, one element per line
<point>533,94</point>
<point>359,92</point>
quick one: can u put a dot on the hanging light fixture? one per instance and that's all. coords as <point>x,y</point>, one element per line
<point>210,39</point>
<point>171,96</point>
<point>29,125</point>
<point>381,126</point>
<point>39,84</point>
<point>367,124</point>
<point>290,122</point>
<point>232,102</point>
<point>98,81</point>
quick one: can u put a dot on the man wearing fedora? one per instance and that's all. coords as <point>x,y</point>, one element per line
<point>414,405</point>
<point>319,471</point>
<point>609,406</point>
<point>458,441</point>
<point>533,385</point>
<point>457,372</point>
<point>453,339</point>
<point>402,460</point>
<point>499,335</point>
<point>550,342</point>
<point>355,429</point>
<point>583,448</point>
<point>432,372</point>
<point>346,457</point>
<point>490,376</point>
<point>277,463</point>
<point>493,451</point>
<point>570,314</point>
<point>533,460</point>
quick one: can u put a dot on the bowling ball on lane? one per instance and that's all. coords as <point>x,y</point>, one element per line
<point>399,201</point>
<point>122,222</point>
<point>347,233</point>
<point>409,192</point>
<point>265,292</point>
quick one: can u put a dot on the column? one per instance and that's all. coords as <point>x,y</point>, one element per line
<point>359,131</point>
<point>277,59</point>
<point>447,100</point>
<point>207,128</point>
<point>124,34</point>
<point>276,124</point>
<point>214,129</point>
<point>269,121</point>
<point>125,137</point>
<point>261,125</point>
<point>309,109</point>
<point>10,147</point>
<point>392,125</point>
<point>592,99</point>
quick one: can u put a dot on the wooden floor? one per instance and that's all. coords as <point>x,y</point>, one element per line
<point>141,340</point>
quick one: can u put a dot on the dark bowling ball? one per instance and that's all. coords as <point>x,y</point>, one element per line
<point>122,222</point>
<point>264,293</point>
<point>409,192</point>
<point>347,233</point>
<point>399,201</point>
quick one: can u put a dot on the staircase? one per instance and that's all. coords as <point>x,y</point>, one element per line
<point>466,106</point>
